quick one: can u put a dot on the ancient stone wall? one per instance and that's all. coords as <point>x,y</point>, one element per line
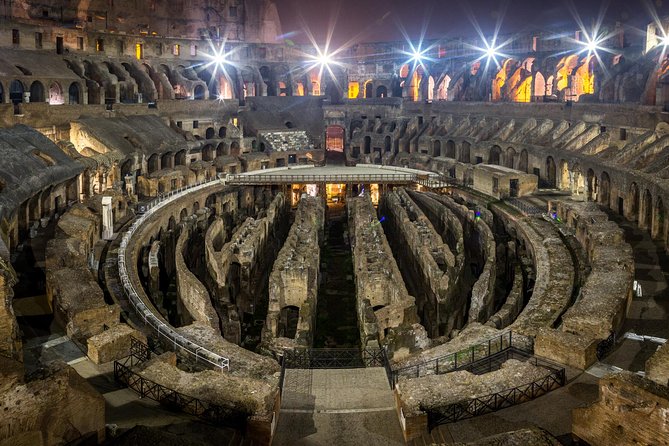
<point>386,311</point>
<point>293,283</point>
<point>630,410</point>
<point>426,263</point>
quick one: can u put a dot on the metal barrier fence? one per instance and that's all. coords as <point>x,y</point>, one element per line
<point>555,378</point>
<point>462,359</point>
<point>240,179</point>
<point>334,358</point>
<point>178,341</point>
<point>213,413</point>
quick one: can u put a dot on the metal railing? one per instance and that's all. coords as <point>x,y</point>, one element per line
<point>333,358</point>
<point>554,378</point>
<point>464,358</point>
<point>213,413</point>
<point>259,179</point>
<point>524,207</point>
<point>178,341</point>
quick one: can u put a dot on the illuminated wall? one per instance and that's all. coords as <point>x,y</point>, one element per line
<point>353,90</point>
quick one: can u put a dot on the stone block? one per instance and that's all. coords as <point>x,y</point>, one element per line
<point>566,348</point>
<point>112,344</point>
<point>657,366</point>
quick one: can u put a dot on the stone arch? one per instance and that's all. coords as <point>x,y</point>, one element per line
<point>495,155</point>
<point>368,89</point>
<point>646,211</point>
<point>210,133</point>
<point>183,215</point>
<point>367,147</point>
<point>208,152</point>
<point>56,94</point>
<point>153,163</point>
<point>591,185</point>
<point>450,149</point>
<point>510,157</point>
<point>196,207</point>
<point>235,149</point>
<point>199,92</point>
<point>16,90</point>
<point>222,132</point>
<point>180,158</point>
<point>381,91</point>
<point>605,190</point>
<point>436,147</point>
<point>37,92</point>
<point>288,320</point>
<point>465,152</point>
<point>633,200</point>
<point>387,144</point>
<point>523,161</point>
<point>167,161</point>
<point>221,149</point>
<point>74,93</point>
<point>658,224</point>
<point>550,172</point>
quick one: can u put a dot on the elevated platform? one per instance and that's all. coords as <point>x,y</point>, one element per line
<point>332,175</point>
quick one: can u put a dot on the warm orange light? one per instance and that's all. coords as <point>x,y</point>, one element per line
<point>353,90</point>
<point>139,51</point>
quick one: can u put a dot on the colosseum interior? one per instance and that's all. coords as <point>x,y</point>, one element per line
<point>211,234</point>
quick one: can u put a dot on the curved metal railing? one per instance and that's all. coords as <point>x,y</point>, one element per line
<point>164,330</point>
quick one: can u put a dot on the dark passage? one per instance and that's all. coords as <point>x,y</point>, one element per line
<point>336,316</point>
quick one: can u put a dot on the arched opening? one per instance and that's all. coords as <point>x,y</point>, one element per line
<point>288,321</point>
<point>550,172</point>
<point>56,94</point>
<point>183,215</point>
<point>436,148</point>
<point>235,149</point>
<point>381,91</point>
<point>37,92</point>
<point>153,164</point>
<point>605,190</point>
<point>367,148</point>
<point>647,211</point>
<point>442,90</point>
<point>494,155</point>
<point>334,138</point>
<point>208,153</point>
<point>180,158</point>
<point>633,203</point>
<point>2,94</point>
<point>591,193</point>
<point>510,160</point>
<point>430,88</point>
<point>369,89</point>
<point>74,94</point>
<point>198,93</point>
<point>450,149</point>
<point>387,144</point>
<point>465,152</point>
<point>167,161</point>
<point>222,132</point>
<point>658,230</point>
<point>210,133</point>
<point>16,91</point>
<point>221,149</point>
<point>522,161</point>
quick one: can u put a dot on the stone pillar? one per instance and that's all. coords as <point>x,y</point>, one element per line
<point>107,218</point>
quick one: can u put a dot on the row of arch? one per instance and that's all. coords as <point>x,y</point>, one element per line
<point>54,95</point>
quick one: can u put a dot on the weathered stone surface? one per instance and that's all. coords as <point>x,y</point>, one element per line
<point>532,436</point>
<point>193,295</point>
<point>435,391</point>
<point>630,410</point>
<point>657,366</point>
<point>578,351</point>
<point>427,263</point>
<point>386,311</point>
<point>244,394</point>
<point>10,336</point>
<point>54,408</point>
<point>112,344</point>
<point>242,362</point>
<point>293,283</point>
<point>81,308</point>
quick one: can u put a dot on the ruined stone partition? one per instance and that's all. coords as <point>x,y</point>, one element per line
<point>193,297</point>
<point>386,312</point>
<point>481,251</point>
<point>417,396</point>
<point>239,263</point>
<point>293,283</point>
<point>426,263</point>
<point>630,410</point>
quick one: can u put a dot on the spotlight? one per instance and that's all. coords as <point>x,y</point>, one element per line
<point>664,40</point>
<point>592,44</point>
<point>219,59</point>
<point>323,59</point>
<point>417,56</point>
